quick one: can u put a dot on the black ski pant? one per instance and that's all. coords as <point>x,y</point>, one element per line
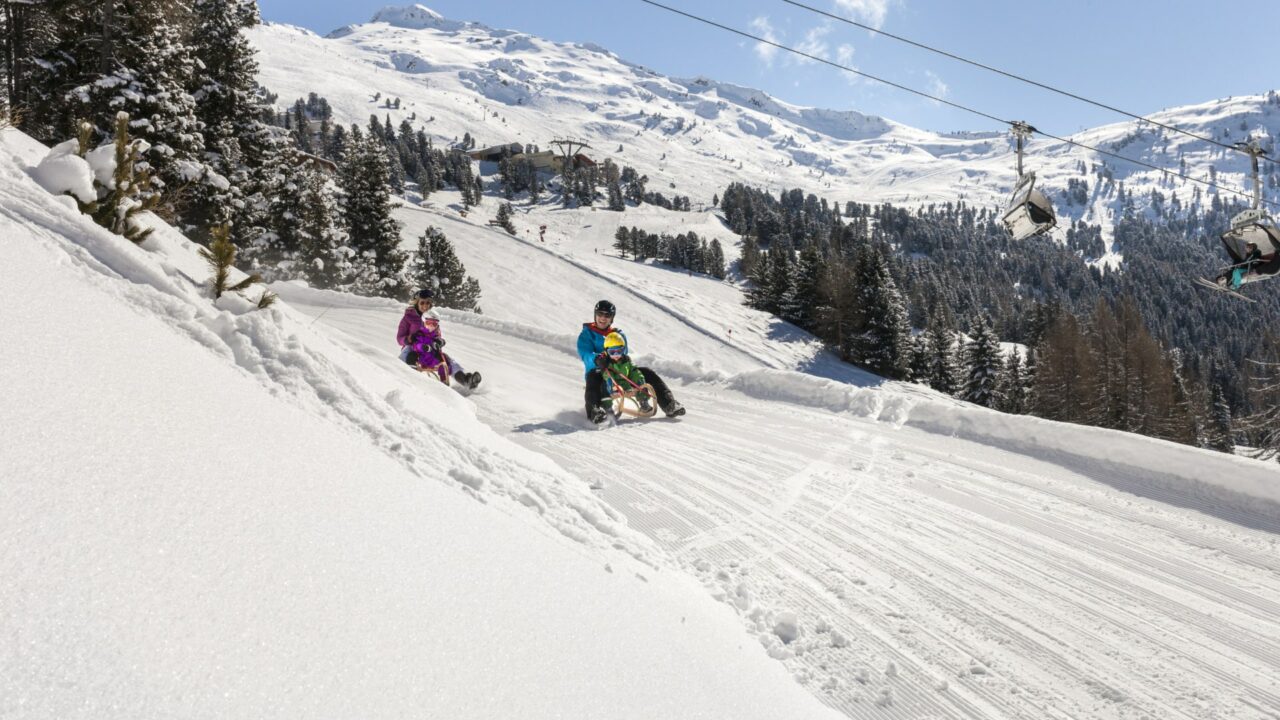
<point>595,389</point>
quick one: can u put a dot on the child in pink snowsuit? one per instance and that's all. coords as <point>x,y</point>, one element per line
<point>421,343</point>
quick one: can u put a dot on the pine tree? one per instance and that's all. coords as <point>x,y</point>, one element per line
<point>715,260</point>
<point>324,260</point>
<point>1011,390</point>
<point>1184,423</point>
<point>615,197</point>
<point>838,311</point>
<point>229,108</point>
<point>372,233</point>
<point>622,241</point>
<point>802,296</point>
<point>1066,369</point>
<point>504,218</point>
<point>944,372</point>
<point>221,258</point>
<point>436,266</point>
<point>101,58</point>
<point>1218,432</point>
<point>982,364</point>
<point>921,363</point>
<point>882,343</point>
<point>129,192</point>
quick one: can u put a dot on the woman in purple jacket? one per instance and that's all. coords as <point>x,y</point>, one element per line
<point>421,342</point>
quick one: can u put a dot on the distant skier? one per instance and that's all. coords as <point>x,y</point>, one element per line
<point>591,350</point>
<point>421,343</point>
<point>620,367</point>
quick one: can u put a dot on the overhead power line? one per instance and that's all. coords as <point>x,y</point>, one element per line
<point>1017,77</point>
<point>956,105</point>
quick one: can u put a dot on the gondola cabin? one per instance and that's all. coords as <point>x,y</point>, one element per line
<point>1030,213</point>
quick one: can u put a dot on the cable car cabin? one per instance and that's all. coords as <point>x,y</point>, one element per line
<point>1030,212</point>
<point>1253,226</point>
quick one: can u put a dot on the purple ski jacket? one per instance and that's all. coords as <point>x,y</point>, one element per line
<point>414,333</point>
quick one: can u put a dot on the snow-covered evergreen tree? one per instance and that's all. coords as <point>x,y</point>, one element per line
<point>127,190</point>
<point>436,266</point>
<point>715,260</point>
<point>371,231</point>
<point>615,197</point>
<point>881,344</point>
<point>230,109</point>
<point>921,359</point>
<point>802,295</point>
<point>324,259</point>
<point>504,218</point>
<point>944,373</point>
<point>982,364</point>
<point>622,241</point>
<point>1011,389</point>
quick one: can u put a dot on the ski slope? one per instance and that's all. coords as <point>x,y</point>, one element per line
<point>903,554</point>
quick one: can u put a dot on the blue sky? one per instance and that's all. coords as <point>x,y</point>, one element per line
<point>1138,55</point>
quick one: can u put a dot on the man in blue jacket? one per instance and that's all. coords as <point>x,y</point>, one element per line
<point>591,350</point>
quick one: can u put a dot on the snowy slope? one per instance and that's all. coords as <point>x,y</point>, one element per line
<point>216,512</point>
<point>503,86</point>
<point>903,554</point>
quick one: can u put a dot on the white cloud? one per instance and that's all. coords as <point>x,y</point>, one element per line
<point>936,86</point>
<point>814,44</point>
<point>764,51</point>
<point>844,54</point>
<point>868,12</point>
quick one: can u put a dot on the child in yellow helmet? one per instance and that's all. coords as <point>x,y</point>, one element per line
<point>620,366</point>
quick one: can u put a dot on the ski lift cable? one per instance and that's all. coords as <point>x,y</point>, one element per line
<point>1020,78</point>
<point>825,61</point>
<point>956,105</point>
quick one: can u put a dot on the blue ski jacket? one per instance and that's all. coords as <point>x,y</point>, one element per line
<point>591,344</point>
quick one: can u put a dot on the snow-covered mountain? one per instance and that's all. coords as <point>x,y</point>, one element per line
<point>694,136</point>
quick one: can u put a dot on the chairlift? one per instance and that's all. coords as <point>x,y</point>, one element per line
<point>1254,226</point>
<point>1029,211</point>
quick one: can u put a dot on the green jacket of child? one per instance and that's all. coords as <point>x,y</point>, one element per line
<point>623,368</point>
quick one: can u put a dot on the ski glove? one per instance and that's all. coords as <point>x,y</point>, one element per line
<point>602,361</point>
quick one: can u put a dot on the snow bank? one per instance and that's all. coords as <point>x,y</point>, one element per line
<point>63,172</point>
<point>1145,463</point>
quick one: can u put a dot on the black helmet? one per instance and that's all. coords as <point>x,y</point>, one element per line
<point>604,307</point>
<point>424,294</point>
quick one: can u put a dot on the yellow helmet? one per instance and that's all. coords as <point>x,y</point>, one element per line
<point>613,340</point>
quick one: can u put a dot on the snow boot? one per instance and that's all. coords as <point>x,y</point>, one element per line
<point>596,414</point>
<point>469,380</point>
<point>675,409</point>
<point>645,405</point>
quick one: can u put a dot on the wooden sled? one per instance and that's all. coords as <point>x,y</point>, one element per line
<point>627,402</point>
